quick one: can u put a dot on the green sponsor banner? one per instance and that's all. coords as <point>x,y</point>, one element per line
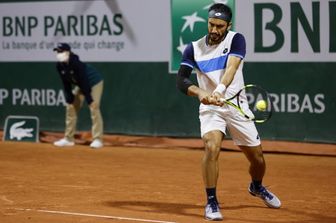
<point>303,107</point>
<point>155,108</point>
<point>189,19</point>
<point>304,103</point>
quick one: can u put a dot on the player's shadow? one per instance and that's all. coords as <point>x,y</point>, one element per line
<point>170,208</point>
<point>194,210</point>
<point>158,207</point>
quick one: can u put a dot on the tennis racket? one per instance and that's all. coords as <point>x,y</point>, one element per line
<point>253,102</point>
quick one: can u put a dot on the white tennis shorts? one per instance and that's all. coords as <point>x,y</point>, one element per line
<point>242,131</point>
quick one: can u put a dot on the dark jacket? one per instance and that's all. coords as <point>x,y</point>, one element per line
<point>80,74</point>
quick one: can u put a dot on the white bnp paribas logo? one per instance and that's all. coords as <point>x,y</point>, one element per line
<point>189,23</point>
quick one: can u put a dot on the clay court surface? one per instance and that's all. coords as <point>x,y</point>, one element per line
<point>43,184</point>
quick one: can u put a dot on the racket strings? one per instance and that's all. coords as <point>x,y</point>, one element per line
<point>248,100</point>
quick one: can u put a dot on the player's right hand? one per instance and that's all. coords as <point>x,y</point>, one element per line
<point>203,98</point>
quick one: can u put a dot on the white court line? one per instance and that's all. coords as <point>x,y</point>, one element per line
<point>94,215</point>
<point>4,198</point>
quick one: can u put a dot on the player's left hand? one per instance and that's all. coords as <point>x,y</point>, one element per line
<point>216,99</point>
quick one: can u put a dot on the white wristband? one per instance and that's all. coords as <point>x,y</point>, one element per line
<point>220,89</point>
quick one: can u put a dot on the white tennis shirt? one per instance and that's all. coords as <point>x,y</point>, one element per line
<point>210,62</point>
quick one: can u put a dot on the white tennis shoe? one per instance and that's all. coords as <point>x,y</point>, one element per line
<point>267,196</point>
<point>212,212</point>
<point>64,142</point>
<point>96,144</point>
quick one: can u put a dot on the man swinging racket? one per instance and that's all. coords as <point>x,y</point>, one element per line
<point>217,59</point>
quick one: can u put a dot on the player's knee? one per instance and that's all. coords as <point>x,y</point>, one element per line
<point>259,159</point>
<point>212,150</point>
<point>255,155</point>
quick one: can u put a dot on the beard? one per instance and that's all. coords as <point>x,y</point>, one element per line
<point>215,38</point>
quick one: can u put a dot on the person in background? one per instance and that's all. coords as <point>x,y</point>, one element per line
<point>80,81</point>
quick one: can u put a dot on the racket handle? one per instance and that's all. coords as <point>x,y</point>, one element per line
<point>222,100</point>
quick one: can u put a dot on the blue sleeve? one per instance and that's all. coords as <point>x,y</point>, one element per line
<point>188,56</point>
<point>238,46</point>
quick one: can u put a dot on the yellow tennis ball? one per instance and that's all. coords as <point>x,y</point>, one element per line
<point>261,105</point>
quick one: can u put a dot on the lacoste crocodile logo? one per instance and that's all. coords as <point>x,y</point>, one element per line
<point>16,132</point>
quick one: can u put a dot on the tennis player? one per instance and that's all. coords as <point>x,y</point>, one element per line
<point>217,59</point>
<point>80,81</point>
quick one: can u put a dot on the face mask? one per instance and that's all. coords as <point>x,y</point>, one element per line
<point>62,57</point>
